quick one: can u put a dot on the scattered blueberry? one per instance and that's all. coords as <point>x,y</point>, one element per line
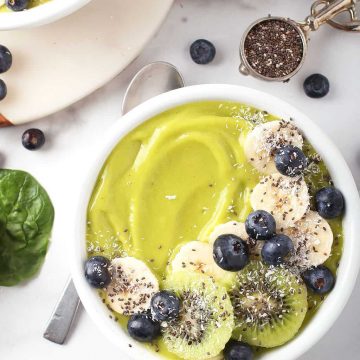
<point>316,86</point>
<point>17,5</point>
<point>330,202</point>
<point>290,161</point>
<point>5,59</point>
<point>230,252</point>
<point>33,139</point>
<point>165,306</point>
<point>202,51</point>
<point>320,279</point>
<point>275,250</point>
<point>237,350</point>
<point>3,90</point>
<point>260,225</point>
<point>96,272</point>
<point>142,327</point>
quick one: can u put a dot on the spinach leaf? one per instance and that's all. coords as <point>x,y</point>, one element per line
<point>26,220</point>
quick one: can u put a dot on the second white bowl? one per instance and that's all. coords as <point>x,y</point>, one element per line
<point>40,15</point>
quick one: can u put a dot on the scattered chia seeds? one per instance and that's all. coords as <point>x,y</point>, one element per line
<point>274,48</point>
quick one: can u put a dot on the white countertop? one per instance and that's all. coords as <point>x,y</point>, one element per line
<point>25,309</point>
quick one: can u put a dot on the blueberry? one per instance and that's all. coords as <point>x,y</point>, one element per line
<point>237,350</point>
<point>330,202</point>
<point>97,272</point>
<point>33,139</point>
<point>5,59</point>
<point>320,279</point>
<point>260,225</point>
<point>143,328</point>
<point>3,90</point>
<point>17,5</point>
<point>202,51</point>
<point>277,249</point>
<point>316,86</point>
<point>230,252</point>
<point>165,306</point>
<point>290,161</point>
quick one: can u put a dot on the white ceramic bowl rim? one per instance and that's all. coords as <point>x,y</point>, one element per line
<point>39,15</point>
<point>341,174</point>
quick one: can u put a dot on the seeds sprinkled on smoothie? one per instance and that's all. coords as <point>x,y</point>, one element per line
<point>274,48</point>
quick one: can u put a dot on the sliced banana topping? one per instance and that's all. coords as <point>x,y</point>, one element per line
<point>219,357</point>
<point>261,144</point>
<point>132,287</point>
<point>231,227</point>
<point>313,238</point>
<point>198,256</point>
<point>287,199</point>
<point>238,229</point>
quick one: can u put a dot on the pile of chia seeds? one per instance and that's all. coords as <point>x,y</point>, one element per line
<point>274,48</point>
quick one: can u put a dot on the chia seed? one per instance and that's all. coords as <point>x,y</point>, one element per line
<point>274,48</point>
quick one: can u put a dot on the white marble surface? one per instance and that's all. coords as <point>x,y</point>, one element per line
<point>24,310</point>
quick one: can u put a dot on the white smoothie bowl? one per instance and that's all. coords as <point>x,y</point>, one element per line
<point>39,15</point>
<point>349,265</point>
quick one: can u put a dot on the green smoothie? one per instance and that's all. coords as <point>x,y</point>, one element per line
<point>32,4</point>
<point>175,178</point>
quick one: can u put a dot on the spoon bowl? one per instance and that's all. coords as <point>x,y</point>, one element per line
<point>153,79</point>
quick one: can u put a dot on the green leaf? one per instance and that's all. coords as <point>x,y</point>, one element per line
<point>26,220</point>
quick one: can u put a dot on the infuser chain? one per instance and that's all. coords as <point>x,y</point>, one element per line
<point>352,25</point>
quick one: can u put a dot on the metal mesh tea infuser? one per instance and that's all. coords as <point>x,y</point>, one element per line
<point>274,48</point>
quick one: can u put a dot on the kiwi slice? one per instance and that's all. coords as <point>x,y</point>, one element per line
<point>270,304</point>
<point>205,322</point>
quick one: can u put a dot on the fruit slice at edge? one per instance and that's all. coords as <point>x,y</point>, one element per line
<point>133,284</point>
<point>206,312</point>
<point>270,304</point>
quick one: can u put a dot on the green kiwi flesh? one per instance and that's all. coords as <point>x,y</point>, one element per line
<point>205,322</point>
<point>270,304</point>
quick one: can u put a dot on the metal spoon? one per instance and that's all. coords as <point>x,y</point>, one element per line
<point>153,79</point>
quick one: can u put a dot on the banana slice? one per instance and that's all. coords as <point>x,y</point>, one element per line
<point>287,199</point>
<point>219,357</point>
<point>261,144</point>
<point>238,229</point>
<point>198,256</point>
<point>132,287</point>
<point>231,227</point>
<point>313,238</point>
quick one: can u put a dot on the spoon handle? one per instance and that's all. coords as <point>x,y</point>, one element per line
<point>63,315</point>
